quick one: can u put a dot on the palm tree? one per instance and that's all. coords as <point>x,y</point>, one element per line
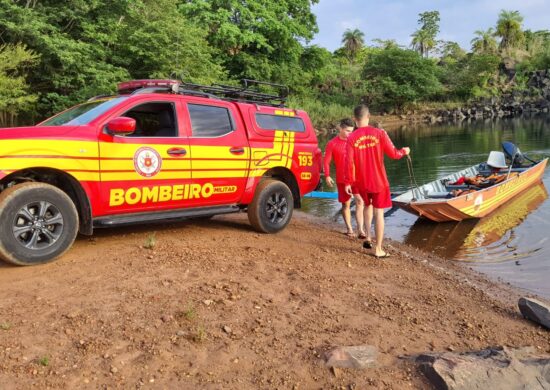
<point>386,43</point>
<point>353,41</point>
<point>423,42</point>
<point>509,29</point>
<point>484,42</point>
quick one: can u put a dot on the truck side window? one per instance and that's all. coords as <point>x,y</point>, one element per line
<point>210,121</point>
<point>154,120</point>
<point>277,122</point>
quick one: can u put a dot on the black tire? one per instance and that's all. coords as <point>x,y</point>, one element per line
<point>38,222</point>
<point>272,206</point>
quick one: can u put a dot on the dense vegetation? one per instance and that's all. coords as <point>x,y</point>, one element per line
<point>54,54</point>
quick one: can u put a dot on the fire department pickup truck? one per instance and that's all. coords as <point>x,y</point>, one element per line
<point>159,150</point>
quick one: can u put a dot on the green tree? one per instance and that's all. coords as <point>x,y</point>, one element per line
<point>257,39</point>
<point>472,76</point>
<point>450,52</point>
<point>386,43</point>
<point>397,77</point>
<point>156,40</point>
<point>353,41</point>
<point>86,47</point>
<point>484,42</point>
<point>14,90</point>
<point>429,21</point>
<point>509,29</point>
<point>424,39</point>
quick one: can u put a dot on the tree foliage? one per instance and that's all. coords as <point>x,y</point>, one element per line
<point>471,76</point>
<point>353,41</point>
<point>257,39</point>
<point>71,50</point>
<point>509,29</point>
<point>484,42</point>
<point>15,98</point>
<point>397,76</point>
<point>424,39</point>
<point>86,47</point>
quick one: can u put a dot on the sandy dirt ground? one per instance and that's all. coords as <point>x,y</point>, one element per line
<point>214,305</point>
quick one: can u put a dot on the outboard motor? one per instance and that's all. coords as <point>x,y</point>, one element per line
<point>514,155</point>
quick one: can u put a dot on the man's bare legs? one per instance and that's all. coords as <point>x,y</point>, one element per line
<point>368,222</point>
<point>346,214</point>
<point>379,231</point>
<point>359,214</point>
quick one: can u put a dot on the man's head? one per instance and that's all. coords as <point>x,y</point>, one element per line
<point>345,127</point>
<point>361,115</point>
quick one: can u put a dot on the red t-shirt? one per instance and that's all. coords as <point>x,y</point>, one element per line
<point>365,149</point>
<point>336,148</point>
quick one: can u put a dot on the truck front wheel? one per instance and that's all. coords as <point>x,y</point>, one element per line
<point>272,206</point>
<point>38,222</point>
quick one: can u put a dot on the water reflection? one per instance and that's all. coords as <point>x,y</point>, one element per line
<point>488,240</point>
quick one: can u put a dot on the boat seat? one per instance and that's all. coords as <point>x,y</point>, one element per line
<point>438,195</point>
<point>488,172</point>
<point>450,187</point>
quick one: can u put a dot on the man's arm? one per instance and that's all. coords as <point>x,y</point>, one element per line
<point>390,150</point>
<point>349,161</point>
<point>326,163</point>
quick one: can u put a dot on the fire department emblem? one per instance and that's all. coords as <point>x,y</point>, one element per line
<point>147,162</point>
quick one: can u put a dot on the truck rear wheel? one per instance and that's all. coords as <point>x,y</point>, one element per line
<point>38,222</point>
<point>272,206</point>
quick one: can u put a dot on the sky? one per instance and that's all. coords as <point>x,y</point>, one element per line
<point>393,19</point>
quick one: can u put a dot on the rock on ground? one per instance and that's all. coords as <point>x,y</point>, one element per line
<point>363,356</point>
<point>535,310</point>
<point>495,368</point>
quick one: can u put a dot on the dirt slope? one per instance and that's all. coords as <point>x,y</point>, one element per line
<point>215,305</point>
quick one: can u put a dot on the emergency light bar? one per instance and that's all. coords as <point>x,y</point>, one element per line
<point>131,86</point>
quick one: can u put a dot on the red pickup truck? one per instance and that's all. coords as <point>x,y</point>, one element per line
<point>159,150</point>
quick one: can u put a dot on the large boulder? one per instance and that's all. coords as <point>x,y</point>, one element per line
<point>495,368</point>
<point>535,310</point>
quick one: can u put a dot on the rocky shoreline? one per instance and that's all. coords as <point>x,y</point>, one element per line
<point>535,99</point>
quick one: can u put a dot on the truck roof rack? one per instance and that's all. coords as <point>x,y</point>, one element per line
<point>251,91</point>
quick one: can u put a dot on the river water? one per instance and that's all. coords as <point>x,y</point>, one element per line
<point>511,244</point>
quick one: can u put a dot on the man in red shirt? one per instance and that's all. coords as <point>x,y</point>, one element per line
<point>365,150</point>
<point>336,148</point>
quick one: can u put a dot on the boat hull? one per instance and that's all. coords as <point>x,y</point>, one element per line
<point>476,204</point>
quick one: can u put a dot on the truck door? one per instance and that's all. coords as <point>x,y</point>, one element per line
<point>150,169</point>
<point>220,152</point>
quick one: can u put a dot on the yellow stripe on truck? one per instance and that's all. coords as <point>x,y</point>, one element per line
<point>41,147</point>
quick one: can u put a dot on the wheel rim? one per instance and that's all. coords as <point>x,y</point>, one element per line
<point>276,207</point>
<point>38,225</point>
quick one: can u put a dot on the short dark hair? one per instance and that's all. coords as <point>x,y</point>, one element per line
<point>346,122</point>
<point>361,111</point>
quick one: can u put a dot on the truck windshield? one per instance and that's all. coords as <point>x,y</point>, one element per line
<point>83,113</point>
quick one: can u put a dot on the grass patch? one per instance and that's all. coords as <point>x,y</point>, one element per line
<point>200,334</point>
<point>189,314</point>
<point>150,241</point>
<point>44,361</point>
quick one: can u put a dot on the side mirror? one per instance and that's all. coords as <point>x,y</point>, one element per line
<point>121,126</point>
